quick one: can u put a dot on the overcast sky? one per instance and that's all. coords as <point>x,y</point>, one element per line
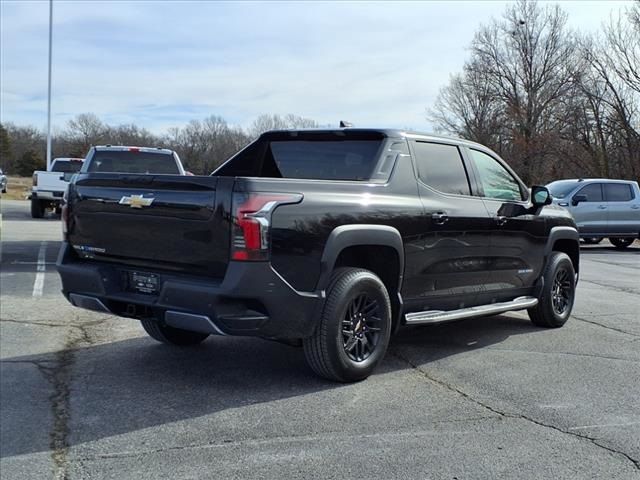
<point>161,63</point>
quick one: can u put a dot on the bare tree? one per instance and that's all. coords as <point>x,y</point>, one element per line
<point>85,130</point>
<point>469,107</point>
<point>622,54</point>
<point>528,59</point>
<point>276,122</point>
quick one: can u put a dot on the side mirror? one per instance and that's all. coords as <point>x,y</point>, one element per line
<point>540,196</point>
<point>577,199</point>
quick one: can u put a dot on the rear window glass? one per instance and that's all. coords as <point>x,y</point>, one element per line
<point>66,166</point>
<point>133,162</point>
<point>324,158</point>
<point>342,160</point>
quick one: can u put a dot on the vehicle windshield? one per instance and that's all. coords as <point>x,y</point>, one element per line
<point>66,166</point>
<point>127,161</point>
<point>562,188</point>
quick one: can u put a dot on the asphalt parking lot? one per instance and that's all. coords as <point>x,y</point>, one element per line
<point>84,395</point>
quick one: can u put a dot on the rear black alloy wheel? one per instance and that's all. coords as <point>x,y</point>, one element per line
<point>361,327</point>
<point>354,329</point>
<point>558,293</point>
<point>621,242</point>
<point>171,335</point>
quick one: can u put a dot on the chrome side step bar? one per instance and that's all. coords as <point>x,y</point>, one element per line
<point>439,316</point>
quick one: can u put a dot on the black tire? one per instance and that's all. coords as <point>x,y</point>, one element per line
<point>354,329</point>
<point>621,242</point>
<point>37,208</point>
<point>592,240</point>
<point>558,294</point>
<point>170,335</point>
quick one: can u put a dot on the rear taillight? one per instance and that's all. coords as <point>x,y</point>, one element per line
<point>250,239</point>
<point>35,179</point>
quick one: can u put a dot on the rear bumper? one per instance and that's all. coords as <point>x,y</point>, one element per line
<point>252,299</point>
<point>48,196</point>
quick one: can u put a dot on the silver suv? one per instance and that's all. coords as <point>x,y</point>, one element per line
<point>601,208</point>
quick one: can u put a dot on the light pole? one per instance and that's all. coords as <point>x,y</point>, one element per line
<point>49,95</point>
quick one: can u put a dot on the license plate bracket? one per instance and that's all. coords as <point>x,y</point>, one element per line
<point>143,282</point>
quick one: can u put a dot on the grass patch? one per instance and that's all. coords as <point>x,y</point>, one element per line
<point>18,188</point>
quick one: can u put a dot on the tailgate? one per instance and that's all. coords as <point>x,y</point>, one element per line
<point>51,181</point>
<point>158,222</point>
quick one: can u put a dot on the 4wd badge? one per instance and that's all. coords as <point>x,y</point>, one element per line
<point>136,201</point>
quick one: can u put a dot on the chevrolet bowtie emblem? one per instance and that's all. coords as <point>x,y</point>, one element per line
<point>136,201</point>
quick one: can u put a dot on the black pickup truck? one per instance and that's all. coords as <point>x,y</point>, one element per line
<point>332,239</point>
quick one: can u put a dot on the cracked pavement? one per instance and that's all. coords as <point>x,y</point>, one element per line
<point>84,395</point>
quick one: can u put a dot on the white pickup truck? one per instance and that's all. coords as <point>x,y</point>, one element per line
<point>49,186</point>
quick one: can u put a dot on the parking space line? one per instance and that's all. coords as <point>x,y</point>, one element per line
<point>38,284</point>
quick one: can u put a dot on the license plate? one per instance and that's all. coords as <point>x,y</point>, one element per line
<point>144,282</point>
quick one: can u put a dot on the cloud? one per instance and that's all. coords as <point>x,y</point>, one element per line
<point>159,64</point>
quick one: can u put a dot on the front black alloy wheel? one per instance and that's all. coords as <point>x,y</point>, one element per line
<point>354,329</point>
<point>562,292</point>
<point>558,293</point>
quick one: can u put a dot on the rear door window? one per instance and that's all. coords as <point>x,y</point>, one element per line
<point>133,162</point>
<point>617,192</point>
<point>440,167</point>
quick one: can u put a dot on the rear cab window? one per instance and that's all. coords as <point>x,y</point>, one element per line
<point>133,161</point>
<point>340,156</point>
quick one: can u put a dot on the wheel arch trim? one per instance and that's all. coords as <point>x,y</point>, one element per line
<point>346,236</point>
<point>563,233</point>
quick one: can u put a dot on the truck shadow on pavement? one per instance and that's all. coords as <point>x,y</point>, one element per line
<point>103,390</point>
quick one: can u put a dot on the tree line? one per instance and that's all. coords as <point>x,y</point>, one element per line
<point>555,103</point>
<point>201,144</point>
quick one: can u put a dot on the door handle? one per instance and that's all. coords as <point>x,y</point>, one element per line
<point>635,207</point>
<point>500,220</point>
<point>440,218</point>
<point>602,207</point>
